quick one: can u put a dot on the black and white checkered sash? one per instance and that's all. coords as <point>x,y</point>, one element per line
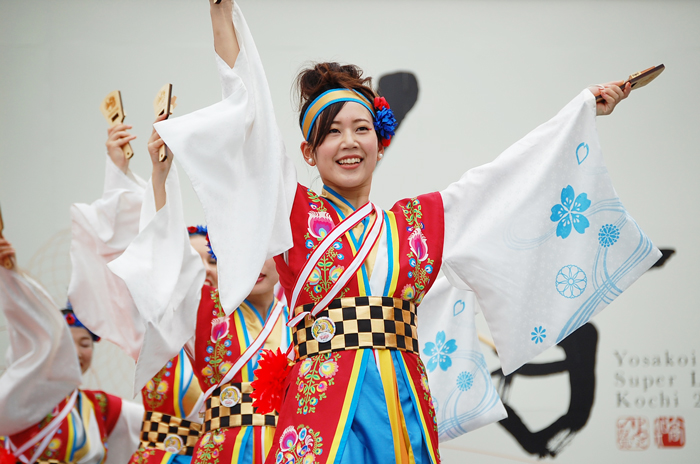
<point>360,322</point>
<point>169,433</point>
<point>230,405</point>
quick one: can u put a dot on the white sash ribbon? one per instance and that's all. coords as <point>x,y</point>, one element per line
<point>252,349</point>
<point>46,434</point>
<point>340,229</point>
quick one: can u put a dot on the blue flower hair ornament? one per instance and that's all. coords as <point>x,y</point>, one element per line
<point>202,230</point>
<point>384,120</point>
<point>73,321</point>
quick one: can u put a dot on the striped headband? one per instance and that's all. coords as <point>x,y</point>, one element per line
<point>328,98</point>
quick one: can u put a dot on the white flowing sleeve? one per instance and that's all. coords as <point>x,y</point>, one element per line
<point>124,440</point>
<point>541,236</point>
<point>101,231</point>
<point>459,378</point>
<point>42,365</point>
<point>164,275</point>
<point>234,155</point>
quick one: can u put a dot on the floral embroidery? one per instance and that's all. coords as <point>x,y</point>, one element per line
<point>315,376</point>
<point>218,346</point>
<point>421,265</point>
<point>326,272</point>
<point>157,388</point>
<point>427,397</point>
<point>438,352</point>
<point>52,448</point>
<point>569,212</point>
<point>299,446</point>
<point>608,235</point>
<point>320,223</point>
<point>538,335</point>
<point>141,456</point>
<point>210,447</point>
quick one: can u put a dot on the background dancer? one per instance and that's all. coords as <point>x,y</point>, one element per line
<point>232,431</point>
<point>101,232</point>
<point>45,416</point>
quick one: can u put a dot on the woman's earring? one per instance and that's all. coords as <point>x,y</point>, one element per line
<point>311,161</point>
<point>380,156</point>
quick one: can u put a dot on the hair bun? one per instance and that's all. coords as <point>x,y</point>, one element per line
<point>321,77</point>
<point>312,82</point>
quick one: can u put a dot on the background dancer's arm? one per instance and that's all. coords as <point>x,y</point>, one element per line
<point>162,271</point>
<point>101,231</point>
<point>160,169</point>
<point>117,137</point>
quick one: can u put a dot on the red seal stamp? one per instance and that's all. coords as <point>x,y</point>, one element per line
<point>669,432</point>
<point>633,433</point>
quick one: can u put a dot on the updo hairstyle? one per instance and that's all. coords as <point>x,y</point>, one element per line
<point>320,78</point>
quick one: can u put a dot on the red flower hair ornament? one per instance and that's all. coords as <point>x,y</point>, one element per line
<point>268,388</point>
<point>384,120</point>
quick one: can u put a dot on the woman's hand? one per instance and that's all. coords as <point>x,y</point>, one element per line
<point>118,136</point>
<point>160,169</point>
<point>612,95</point>
<point>6,251</point>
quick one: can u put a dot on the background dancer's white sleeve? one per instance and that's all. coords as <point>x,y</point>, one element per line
<point>164,275</point>
<point>459,378</point>
<point>234,155</point>
<point>43,366</point>
<point>541,236</point>
<point>101,231</point>
<point>125,437</point>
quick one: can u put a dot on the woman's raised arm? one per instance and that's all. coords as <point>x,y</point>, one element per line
<point>225,41</point>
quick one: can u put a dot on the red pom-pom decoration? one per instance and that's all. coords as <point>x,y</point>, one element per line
<point>6,457</point>
<point>380,103</point>
<point>270,376</point>
<point>191,230</point>
<point>70,319</point>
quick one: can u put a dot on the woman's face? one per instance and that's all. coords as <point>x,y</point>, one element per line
<point>267,279</point>
<point>199,243</point>
<point>348,155</point>
<point>83,345</point>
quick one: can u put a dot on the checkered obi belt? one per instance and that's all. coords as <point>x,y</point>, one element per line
<point>168,433</point>
<point>230,405</point>
<point>358,322</point>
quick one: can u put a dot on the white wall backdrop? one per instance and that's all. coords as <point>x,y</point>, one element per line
<point>488,73</point>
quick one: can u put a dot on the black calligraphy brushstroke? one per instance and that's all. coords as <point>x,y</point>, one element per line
<point>666,253</point>
<point>401,92</point>
<point>580,348</point>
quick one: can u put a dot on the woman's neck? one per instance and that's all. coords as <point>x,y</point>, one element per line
<point>357,197</point>
<point>262,302</point>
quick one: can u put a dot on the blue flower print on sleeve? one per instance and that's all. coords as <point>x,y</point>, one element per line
<point>438,352</point>
<point>465,380</point>
<point>538,335</point>
<point>608,235</point>
<point>568,213</point>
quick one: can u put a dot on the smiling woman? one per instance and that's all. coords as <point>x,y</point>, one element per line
<point>354,274</point>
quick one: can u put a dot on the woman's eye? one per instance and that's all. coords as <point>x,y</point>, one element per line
<point>334,131</point>
<point>363,128</point>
